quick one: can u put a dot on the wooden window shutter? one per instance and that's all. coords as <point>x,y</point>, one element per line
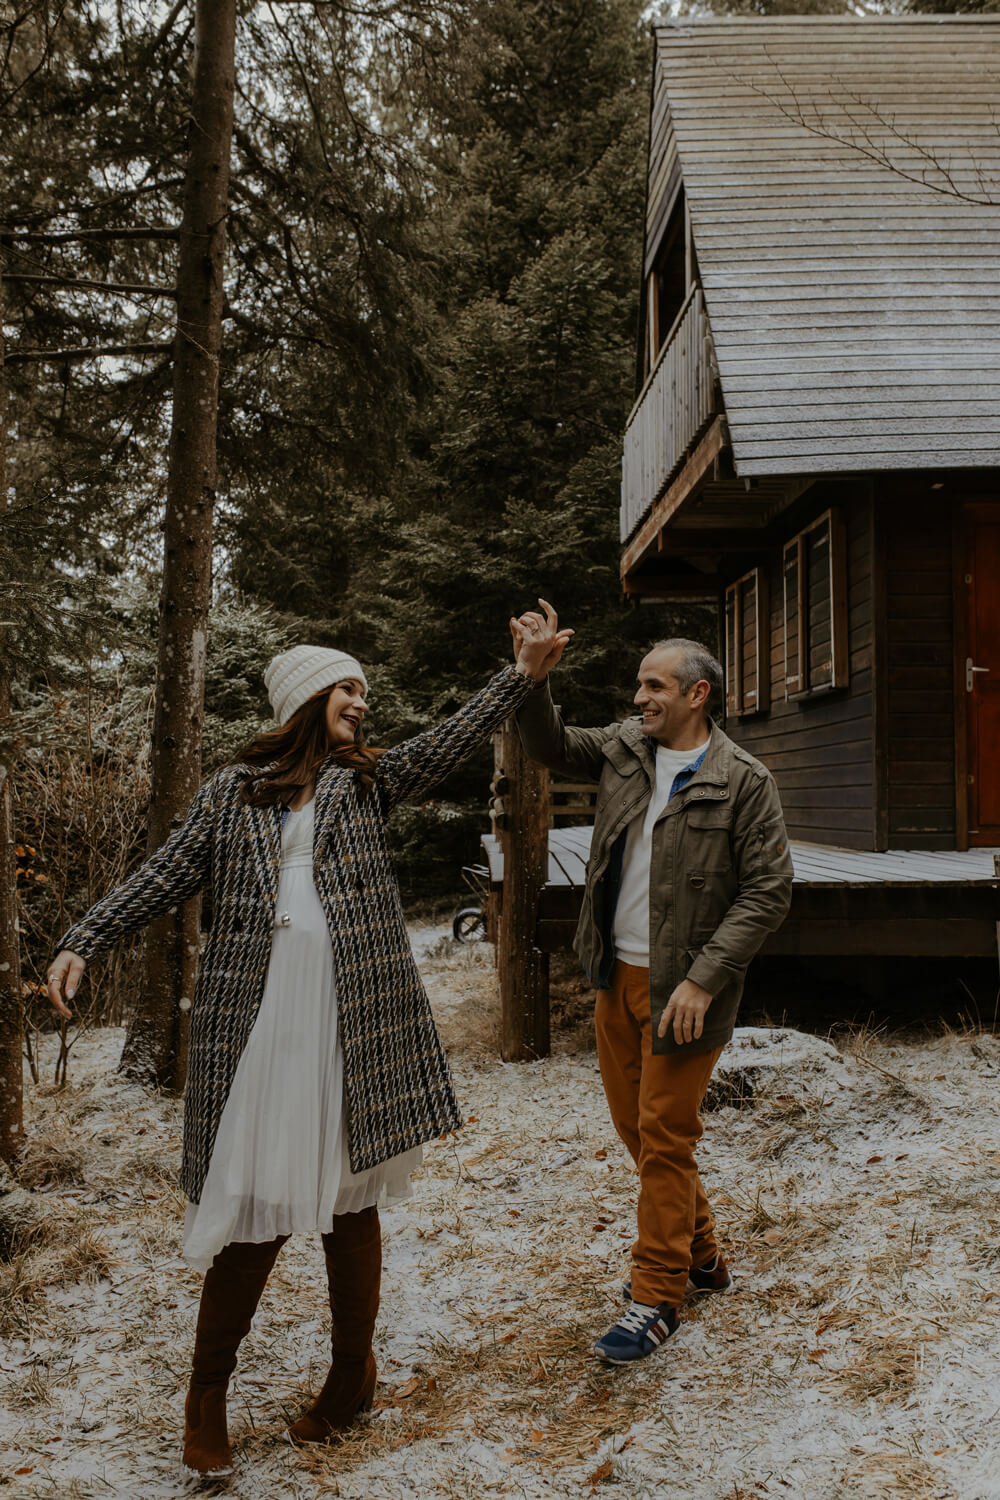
<point>815,608</point>
<point>748,649</point>
<point>793,611</point>
<point>818,570</point>
<point>733,669</point>
<point>838,595</point>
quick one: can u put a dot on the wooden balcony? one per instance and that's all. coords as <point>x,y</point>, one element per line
<point>674,408</point>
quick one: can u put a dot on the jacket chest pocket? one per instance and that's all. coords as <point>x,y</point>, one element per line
<point>620,796</point>
<point>706,844</point>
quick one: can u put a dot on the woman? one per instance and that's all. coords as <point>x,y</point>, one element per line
<point>315,1071</point>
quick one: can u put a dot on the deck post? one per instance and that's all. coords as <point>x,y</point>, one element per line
<point>524,971</point>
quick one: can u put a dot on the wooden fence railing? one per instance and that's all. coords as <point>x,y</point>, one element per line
<point>676,403</point>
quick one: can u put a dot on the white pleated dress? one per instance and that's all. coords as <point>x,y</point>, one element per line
<point>280,1163</point>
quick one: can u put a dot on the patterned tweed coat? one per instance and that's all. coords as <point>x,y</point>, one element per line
<point>397,1088</point>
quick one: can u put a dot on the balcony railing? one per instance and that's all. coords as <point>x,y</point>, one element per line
<point>676,403</point>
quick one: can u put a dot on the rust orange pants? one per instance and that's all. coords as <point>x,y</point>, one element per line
<point>654,1103</point>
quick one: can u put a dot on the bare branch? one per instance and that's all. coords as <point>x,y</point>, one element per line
<point>864,142</point>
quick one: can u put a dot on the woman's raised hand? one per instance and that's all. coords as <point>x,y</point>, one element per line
<point>538,641</point>
<point>64,970</point>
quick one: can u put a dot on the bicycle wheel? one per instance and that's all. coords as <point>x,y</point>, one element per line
<point>469,924</point>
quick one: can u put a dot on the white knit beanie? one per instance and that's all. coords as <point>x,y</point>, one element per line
<point>293,677</point>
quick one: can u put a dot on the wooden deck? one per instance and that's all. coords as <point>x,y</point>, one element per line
<point>815,864</point>
<point>905,903</point>
<point>569,849</point>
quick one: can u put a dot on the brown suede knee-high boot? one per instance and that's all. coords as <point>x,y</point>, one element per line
<point>233,1286</point>
<point>354,1272</point>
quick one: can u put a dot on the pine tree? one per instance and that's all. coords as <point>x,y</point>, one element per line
<point>156,1045</point>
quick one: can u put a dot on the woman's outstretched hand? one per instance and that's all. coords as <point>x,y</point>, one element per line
<point>538,641</point>
<point>64,970</point>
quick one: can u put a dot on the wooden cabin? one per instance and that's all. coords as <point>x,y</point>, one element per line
<point>816,439</point>
<point>815,446</point>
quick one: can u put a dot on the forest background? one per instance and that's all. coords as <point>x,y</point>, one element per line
<point>431,292</point>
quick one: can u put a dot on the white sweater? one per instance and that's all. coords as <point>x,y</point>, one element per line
<point>631,926</point>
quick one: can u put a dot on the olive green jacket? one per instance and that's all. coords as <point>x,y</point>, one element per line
<point>720,875</point>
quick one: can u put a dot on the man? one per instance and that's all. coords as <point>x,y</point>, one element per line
<point>689,871</point>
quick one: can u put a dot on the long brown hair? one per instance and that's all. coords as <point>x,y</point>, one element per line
<point>289,756</point>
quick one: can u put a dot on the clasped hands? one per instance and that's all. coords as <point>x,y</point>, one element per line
<point>538,641</point>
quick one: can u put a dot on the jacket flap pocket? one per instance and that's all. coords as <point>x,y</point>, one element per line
<point>623,759</point>
<point>709,817</point>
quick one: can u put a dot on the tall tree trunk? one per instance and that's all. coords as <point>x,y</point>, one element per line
<point>11,1010</point>
<point>156,1045</point>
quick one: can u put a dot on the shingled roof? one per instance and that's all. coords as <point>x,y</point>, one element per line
<point>843,181</point>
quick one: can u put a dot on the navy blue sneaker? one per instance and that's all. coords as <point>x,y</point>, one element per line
<point>639,1331</point>
<point>713,1277</point>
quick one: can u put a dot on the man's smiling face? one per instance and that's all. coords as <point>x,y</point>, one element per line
<point>666,711</point>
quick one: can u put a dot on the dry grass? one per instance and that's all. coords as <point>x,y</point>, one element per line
<point>731,1092</point>
<point>885,1365</point>
<point>463,979</point>
<point>531,1387</point>
<point>49,1162</point>
<point>863,1259</point>
<point>62,1251</point>
<point>894,1473</point>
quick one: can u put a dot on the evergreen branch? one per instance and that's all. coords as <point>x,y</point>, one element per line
<point>161,36</point>
<point>125,196</point>
<point>71,236</point>
<point>82,283</point>
<point>50,30</point>
<point>41,356</point>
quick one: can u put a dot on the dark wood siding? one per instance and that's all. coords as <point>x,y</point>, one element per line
<point>820,749</point>
<point>914,524</point>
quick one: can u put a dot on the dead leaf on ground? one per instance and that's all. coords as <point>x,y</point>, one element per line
<point>602,1472</point>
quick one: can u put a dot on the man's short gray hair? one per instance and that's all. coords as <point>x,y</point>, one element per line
<point>697,664</point>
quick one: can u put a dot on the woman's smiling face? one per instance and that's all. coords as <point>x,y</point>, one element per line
<point>345,709</point>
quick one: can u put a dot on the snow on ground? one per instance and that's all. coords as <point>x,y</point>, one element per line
<point>856,1191</point>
